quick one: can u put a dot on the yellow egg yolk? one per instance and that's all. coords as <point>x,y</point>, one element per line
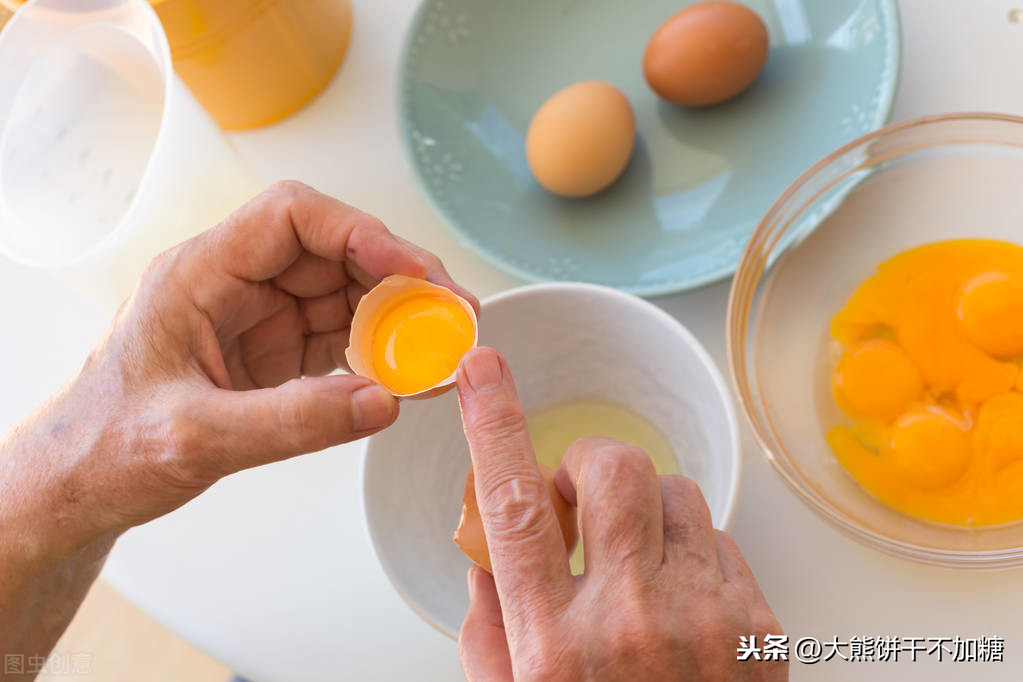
<point>929,379</point>
<point>929,448</point>
<point>419,342</point>
<point>991,313</point>
<point>999,431</point>
<point>856,386</point>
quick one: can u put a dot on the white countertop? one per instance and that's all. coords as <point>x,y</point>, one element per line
<point>271,571</point>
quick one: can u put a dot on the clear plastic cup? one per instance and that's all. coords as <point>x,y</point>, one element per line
<point>106,159</point>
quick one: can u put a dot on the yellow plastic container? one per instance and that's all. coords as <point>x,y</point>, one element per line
<point>253,62</point>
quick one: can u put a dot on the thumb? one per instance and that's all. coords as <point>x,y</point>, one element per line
<point>249,428</point>
<point>482,642</point>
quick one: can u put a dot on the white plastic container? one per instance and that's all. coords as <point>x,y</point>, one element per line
<point>106,159</point>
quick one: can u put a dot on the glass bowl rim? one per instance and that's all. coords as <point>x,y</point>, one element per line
<point>754,260</point>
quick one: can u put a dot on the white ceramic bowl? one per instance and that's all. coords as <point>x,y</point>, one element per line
<point>562,341</point>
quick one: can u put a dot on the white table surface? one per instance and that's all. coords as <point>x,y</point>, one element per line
<point>271,571</point>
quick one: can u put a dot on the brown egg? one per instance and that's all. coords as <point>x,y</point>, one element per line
<point>706,54</point>
<point>471,539</point>
<point>581,139</point>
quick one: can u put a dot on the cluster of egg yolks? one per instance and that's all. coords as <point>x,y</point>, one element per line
<point>419,341</point>
<point>930,379</point>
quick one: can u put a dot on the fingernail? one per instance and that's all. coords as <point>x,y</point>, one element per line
<point>482,369</point>
<point>372,408</point>
<point>472,581</point>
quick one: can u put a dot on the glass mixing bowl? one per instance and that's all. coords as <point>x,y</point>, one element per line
<point>920,181</point>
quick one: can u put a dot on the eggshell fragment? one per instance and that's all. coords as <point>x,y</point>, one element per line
<point>470,536</point>
<point>391,290</point>
<point>706,53</point>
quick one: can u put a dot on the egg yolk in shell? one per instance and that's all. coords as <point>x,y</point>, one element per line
<point>419,341</point>
<point>930,384</point>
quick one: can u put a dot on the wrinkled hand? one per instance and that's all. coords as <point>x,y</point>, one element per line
<point>664,596</point>
<point>200,374</point>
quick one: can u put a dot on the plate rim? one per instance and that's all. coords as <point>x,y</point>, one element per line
<point>888,88</point>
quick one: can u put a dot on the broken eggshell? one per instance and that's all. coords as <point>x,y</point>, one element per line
<point>472,540</point>
<point>374,305</point>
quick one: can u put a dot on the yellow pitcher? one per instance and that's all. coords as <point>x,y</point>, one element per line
<point>253,62</point>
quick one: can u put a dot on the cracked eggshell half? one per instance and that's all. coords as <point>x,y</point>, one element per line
<point>393,290</point>
<point>471,538</point>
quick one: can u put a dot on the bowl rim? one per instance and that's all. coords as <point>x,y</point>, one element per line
<point>692,345</point>
<point>734,338</point>
<point>465,237</point>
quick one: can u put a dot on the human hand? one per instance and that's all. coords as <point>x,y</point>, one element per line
<point>664,596</point>
<point>199,374</point>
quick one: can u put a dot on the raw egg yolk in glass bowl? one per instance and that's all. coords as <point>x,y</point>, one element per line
<point>928,353</point>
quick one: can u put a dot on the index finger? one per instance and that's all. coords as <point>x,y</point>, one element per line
<point>526,547</point>
<point>263,238</point>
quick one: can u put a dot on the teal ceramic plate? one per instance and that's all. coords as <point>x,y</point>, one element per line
<point>475,71</point>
